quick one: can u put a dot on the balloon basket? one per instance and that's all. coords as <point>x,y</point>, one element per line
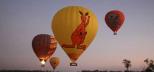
<point>42,65</point>
<point>73,64</point>
<point>115,33</point>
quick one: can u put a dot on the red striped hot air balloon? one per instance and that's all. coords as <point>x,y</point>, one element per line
<point>44,46</point>
<point>114,20</point>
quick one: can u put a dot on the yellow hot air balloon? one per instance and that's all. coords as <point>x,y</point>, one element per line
<point>54,62</point>
<point>74,28</point>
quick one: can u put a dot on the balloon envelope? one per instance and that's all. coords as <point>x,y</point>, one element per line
<point>74,28</point>
<point>54,62</point>
<point>114,20</point>
<point>44,46</point>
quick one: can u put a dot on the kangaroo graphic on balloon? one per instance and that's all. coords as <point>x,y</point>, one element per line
<point>79,34</point>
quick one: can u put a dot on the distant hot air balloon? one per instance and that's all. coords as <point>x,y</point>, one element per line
<point>114,20</point>
<point>44,46</point>
<point>54,62</point>
<point>74,28</point>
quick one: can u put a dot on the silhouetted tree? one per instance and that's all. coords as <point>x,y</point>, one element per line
<point>127,64</point>
<point>150,64</point>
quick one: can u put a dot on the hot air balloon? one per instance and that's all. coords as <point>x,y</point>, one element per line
<point>54,62</point>
<point>74,28</point>
<point>44,46</point>
<point>114,20</point>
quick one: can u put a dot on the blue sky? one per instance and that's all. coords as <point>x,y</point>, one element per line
<point>21,20</point>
